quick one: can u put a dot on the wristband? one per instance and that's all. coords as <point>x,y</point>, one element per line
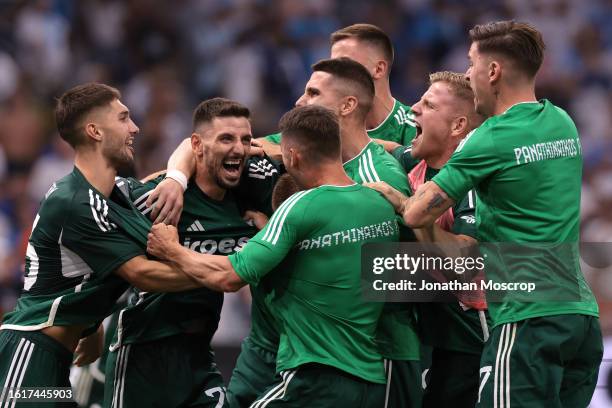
<point>177,176</point>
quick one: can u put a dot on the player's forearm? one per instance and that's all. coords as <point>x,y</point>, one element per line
<point>154,276</point>
<point>424,208</point>
<point>212,271</point>
<point>182,159</point>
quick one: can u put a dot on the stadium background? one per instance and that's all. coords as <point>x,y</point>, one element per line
<point>166,56</point>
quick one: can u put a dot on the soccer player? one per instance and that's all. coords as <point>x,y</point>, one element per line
<point>308,257</point>
<point>345,87</point>
<point>87,243</point>
<point>456,332</point>
<point>388,119</point>
<point>525,163</point>
<point>162,354</point>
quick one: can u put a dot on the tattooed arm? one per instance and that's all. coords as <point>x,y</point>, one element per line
<point>422,209</point>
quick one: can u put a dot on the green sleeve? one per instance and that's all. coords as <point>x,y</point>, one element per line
<point>270,246</point>
<point>464,213</point>
<point>273,138</point>
<point>90,236</point>
<point>403,154</point>
<point>474,160</point>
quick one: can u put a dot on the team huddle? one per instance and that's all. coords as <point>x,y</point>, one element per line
<point>478,159</point>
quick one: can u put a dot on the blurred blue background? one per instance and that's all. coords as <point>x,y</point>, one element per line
<point>166,56</point>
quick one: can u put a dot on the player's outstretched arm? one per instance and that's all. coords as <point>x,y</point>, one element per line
<point>155,276</point>
<point>422,209</point>
<point>213,271</point>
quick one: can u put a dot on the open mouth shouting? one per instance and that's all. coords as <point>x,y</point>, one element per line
<point>233,167</point>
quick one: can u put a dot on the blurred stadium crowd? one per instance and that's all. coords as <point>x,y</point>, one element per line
<point>166,56</point>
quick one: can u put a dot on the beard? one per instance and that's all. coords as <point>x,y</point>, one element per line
<point>119,159</point>
<point>215,169</point>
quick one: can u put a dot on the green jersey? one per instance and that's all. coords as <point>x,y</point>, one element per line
<point>526,166</point>
<point>208,226</point>
<point>397,337</point>
<point>403,154</point>
<point>398,127</point>
<point>78,239</point>
<point>313,254</point>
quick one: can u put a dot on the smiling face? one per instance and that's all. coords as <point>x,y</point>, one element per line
<point>118,131</point>
<point>222,147</point>
<point>434,114</point>
<point>479,75</point>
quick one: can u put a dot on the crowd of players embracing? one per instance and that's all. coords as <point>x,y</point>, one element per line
<point>474,160</point>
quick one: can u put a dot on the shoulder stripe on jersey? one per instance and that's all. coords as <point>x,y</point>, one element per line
<point>364,168</point>
<point>94,211</point>
<point>273,223</point>
<point>374,173</point>
<point>471,198</point>
<point>278,219</point>
<point>105,215</point>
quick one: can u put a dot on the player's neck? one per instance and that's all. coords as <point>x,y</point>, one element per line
<point>209,186</point>
<point>381,107</point>
<point>331,174</point>
<point>438,161</point>
<point>509,96</point>
<point>96,170</point>
<point>354,140</point>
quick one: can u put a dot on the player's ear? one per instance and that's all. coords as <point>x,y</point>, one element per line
<point>349,105</point>
<point>92,131</point>
<point>380,70</point>
<point>459,126</point>
<point>495,71</point>
<point>196,144</point>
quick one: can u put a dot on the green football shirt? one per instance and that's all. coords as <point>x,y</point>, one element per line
<point>398,127</point>
<point>526,167</point>
<point>311,247</point>
<point>397,337</point>
<point>78,239</point>
<point>208,226</point>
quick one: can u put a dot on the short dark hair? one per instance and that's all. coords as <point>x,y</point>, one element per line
<point>358,77</point>
<point>77,102</point>
<point>209,109</point>
<point>368,33</point>
<point>284,188</point>
<point>521,42</point>
<point>314,129</point>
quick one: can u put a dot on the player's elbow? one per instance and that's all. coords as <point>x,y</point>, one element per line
<point>230,282</point>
